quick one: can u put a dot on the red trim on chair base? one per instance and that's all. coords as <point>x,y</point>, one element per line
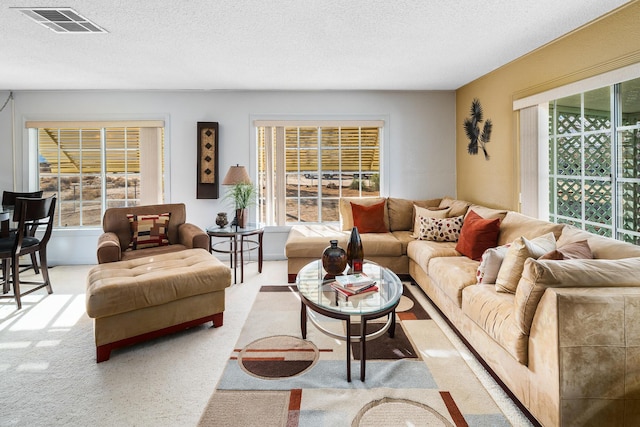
<point>103,352</point>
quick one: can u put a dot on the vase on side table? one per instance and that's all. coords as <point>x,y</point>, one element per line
<point>221,219</point>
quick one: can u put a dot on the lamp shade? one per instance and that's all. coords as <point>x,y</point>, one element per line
<point>236,175</point>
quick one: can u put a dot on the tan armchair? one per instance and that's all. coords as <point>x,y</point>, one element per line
<point>113,245</point>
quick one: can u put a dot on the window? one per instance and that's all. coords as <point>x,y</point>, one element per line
<point>594,160</point>
<point>304,168</point>
<point>91,168</point>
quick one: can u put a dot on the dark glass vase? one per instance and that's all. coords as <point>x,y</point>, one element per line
<point>334,259</point>
<point>355,253</point>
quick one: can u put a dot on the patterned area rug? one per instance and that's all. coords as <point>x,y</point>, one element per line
<point>275,378</point>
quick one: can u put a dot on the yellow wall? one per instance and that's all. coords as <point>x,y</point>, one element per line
<point>611,42</point>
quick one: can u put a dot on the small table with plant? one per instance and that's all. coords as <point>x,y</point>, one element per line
<point>239,242</point>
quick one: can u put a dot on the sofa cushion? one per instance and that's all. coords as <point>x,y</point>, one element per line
<point>453,274</point>
<point>381,245</point>
<point>521,249</point>
<point>477,235</point>
<point>309,241</point>
<point>369,219</point>
<point>401,214</point>
<point>430,212</point>
<point>158,250</point>
<point>515,225</point>
<point>538,275</point>
<point>601,247</point>
<point>493,312</point>
<point>573,250</point>
<point>346,214</point>
<point>148,231</point>
<point>440,229</point>
<point>490,263</point>
<point>422,251</point>
<point>458,207</point>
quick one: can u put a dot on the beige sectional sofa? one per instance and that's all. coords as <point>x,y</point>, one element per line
<point>566,343</point>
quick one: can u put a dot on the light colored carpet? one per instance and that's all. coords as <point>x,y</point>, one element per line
<point>416,378</point>
<point>48,374</point>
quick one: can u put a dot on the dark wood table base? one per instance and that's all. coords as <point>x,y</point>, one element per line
<point>389,327</point>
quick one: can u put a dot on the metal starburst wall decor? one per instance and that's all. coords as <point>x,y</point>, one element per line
<point>472,129</point>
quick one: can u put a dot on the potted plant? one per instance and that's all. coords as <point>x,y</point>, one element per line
<point>243,196</point>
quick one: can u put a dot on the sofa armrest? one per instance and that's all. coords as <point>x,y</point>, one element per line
<point>109,248</point>
<point>193,236</point>
<point>583,355</point>
<point>539,275</point>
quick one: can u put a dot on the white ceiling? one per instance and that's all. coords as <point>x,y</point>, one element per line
<point>281,44</point>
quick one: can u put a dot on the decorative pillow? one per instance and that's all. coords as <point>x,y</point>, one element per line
<point>458,207</point>
<point>148,231</point>
<point>477,235</point>
<point>575,250</point>
<point>440,229</point>
<point>517,254</point>
<point>490,263</point>
<point>434,212</point>
<point>346,213</point>
<point>369,219</point>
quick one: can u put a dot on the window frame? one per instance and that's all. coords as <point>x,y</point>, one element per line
<point>381,121</point>
<point>161,164</point>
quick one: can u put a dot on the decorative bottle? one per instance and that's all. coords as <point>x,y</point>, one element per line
<point>334,259</point>
<point>355,254</point>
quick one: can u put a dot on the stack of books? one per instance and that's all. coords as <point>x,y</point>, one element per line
<point>354,284</point>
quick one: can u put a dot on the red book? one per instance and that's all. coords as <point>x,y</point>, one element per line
<point>349,293</point>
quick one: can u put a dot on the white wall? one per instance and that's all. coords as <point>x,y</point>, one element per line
<point>420,141</point>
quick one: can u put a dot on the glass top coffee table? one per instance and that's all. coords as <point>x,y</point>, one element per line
<point>317,296</point>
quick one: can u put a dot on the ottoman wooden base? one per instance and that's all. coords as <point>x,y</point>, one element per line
<point>103,352</point>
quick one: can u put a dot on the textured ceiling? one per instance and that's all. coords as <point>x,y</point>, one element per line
<point>281,44</point>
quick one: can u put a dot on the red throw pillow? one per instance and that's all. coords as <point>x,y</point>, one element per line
<point>477,235</point>
<point>369,219</point>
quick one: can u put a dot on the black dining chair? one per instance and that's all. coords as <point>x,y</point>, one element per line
<point>9,200</point>
<point>29,213</point>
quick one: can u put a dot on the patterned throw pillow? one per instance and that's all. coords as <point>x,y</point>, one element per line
<point>440,229</point>
<point>148,231</point>
<point>430,212</point>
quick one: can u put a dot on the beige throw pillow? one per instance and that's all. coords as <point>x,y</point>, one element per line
<point>438,213</point>
<point>490,264</point>
<point>458,207</point>
<point>513,263</point>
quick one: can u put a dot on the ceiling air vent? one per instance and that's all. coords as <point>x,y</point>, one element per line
<point>61,20</point>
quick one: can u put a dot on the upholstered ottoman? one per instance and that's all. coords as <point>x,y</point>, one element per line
<point>144,298</point>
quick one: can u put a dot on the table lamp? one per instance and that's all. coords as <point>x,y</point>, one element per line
<point>237,175</point>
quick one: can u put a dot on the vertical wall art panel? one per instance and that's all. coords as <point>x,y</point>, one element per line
<point>207,171</point>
